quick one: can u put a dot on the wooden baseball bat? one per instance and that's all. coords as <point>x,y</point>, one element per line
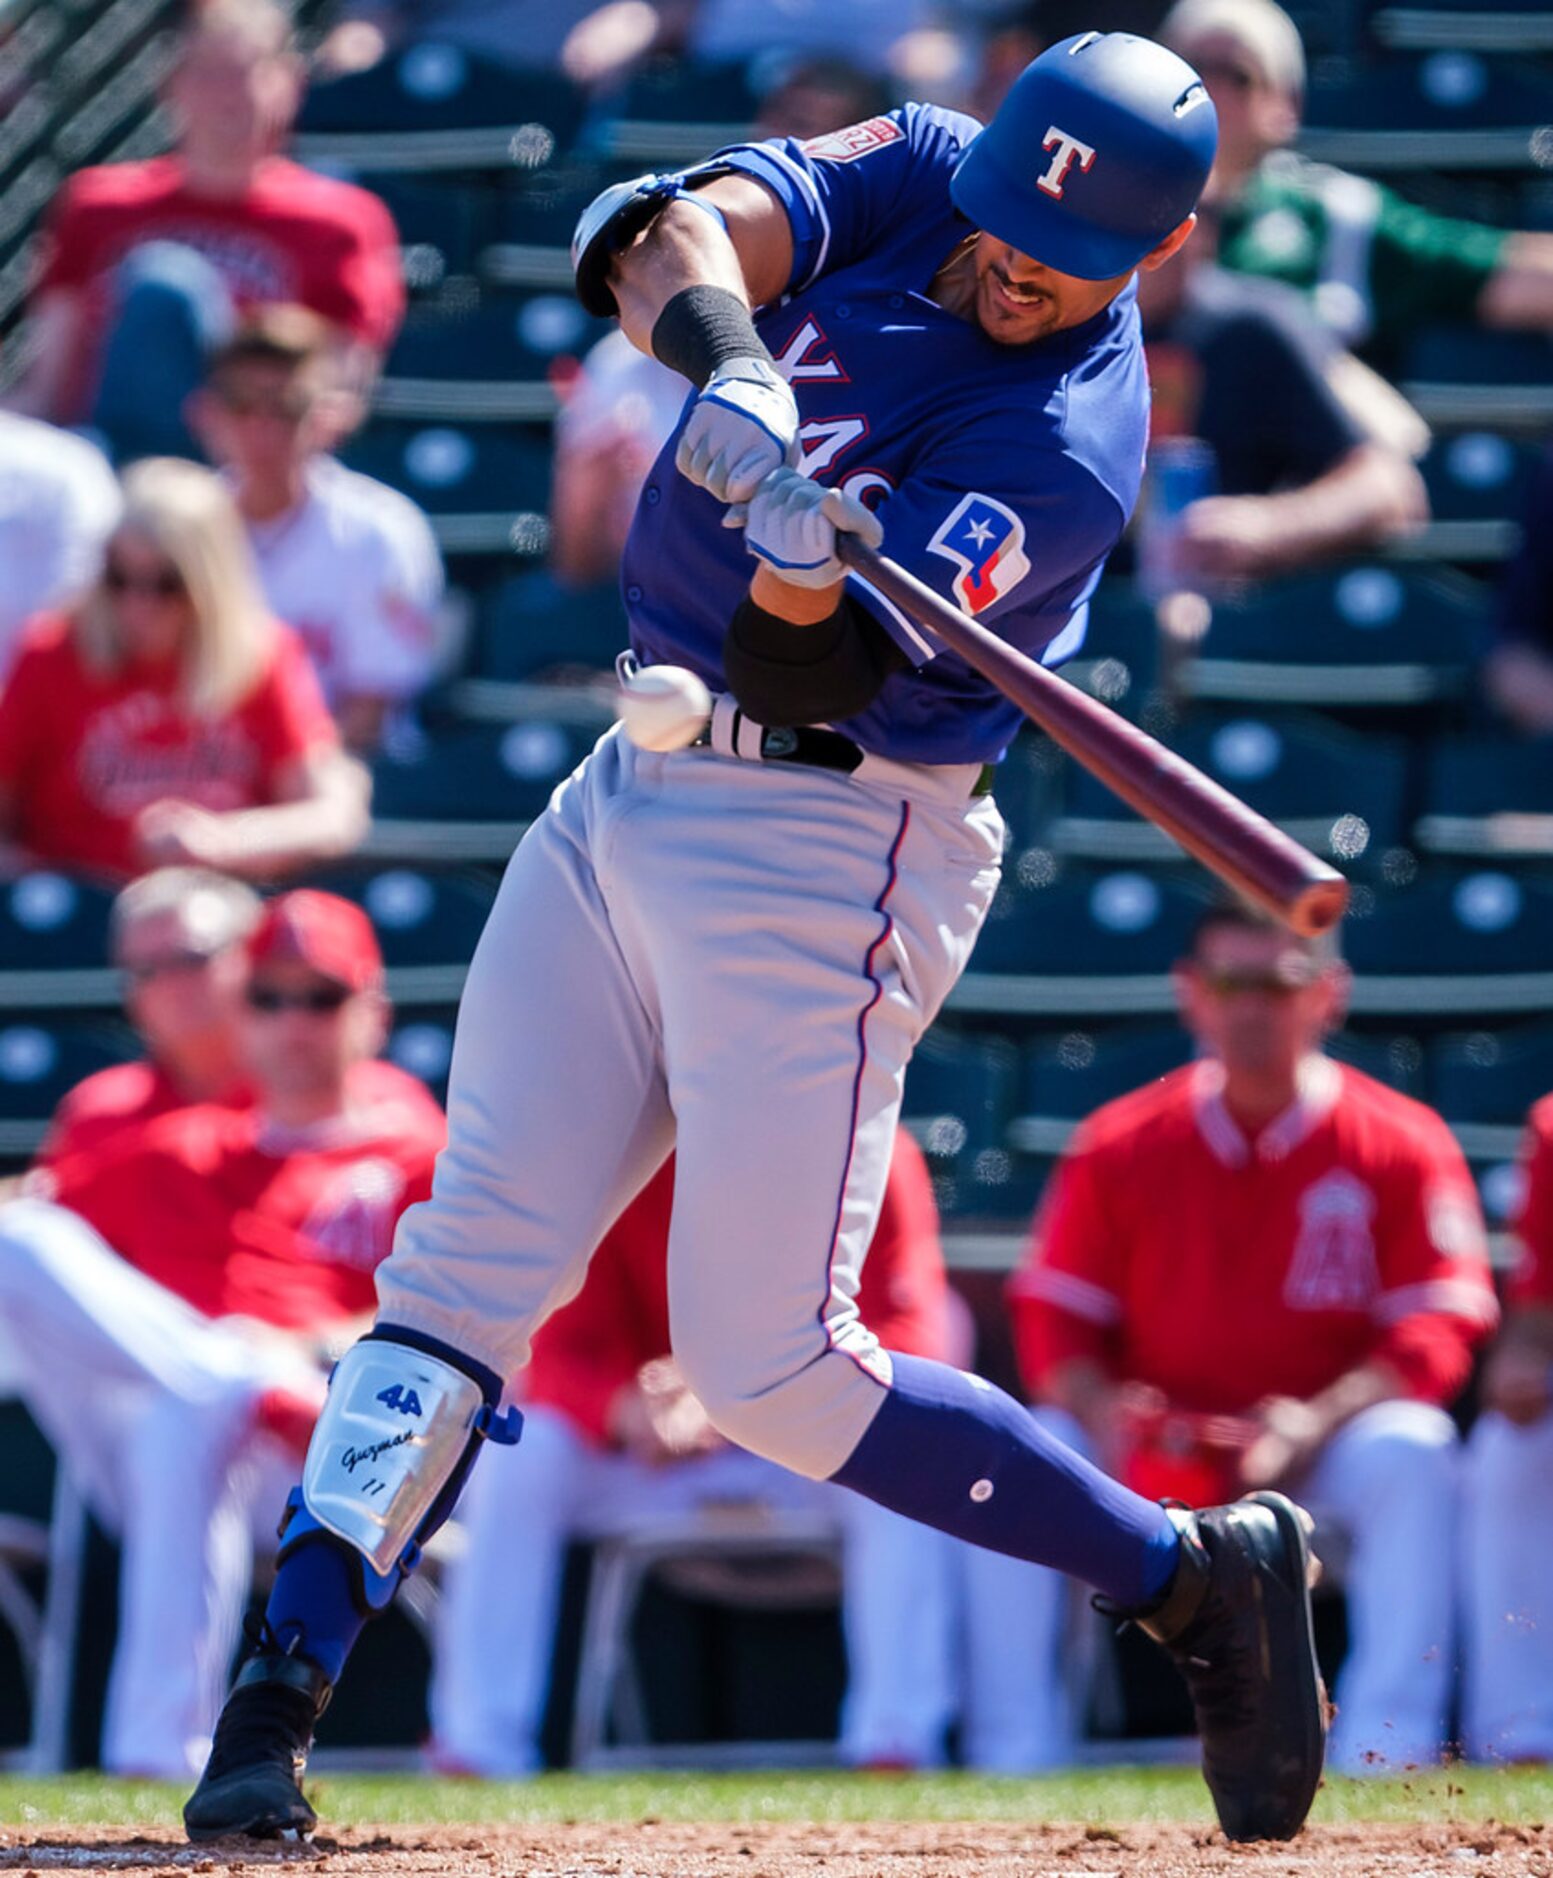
<point>1243,848</point>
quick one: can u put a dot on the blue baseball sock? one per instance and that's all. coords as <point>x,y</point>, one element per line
<point>954,1452</point>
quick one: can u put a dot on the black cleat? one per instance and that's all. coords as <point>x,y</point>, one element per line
<point>252,1783</point>
<point>1236,1620</point>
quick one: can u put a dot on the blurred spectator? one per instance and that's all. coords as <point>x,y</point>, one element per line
<point>1518,673</point>
<point>1375,266</point>
<point>176,1293</point>
<point>1508,1709</point>
<point>58,504</point>
<point>348,563</point>
<point>145,262</point>
<point>613,1439</point>
<point>1267,1270</point>
<point>177,937</point>
<point>167,718</point>
<point>1239,365</point>
<point>622,405</point>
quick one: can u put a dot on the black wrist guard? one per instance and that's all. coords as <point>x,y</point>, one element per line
<point>702,328</point>
<point>785,675</point>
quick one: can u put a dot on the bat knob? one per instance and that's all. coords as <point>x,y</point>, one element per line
<point>1319,907</point>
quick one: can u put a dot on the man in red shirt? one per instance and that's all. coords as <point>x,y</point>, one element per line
<point>613,1439</point>
<point>145,263</point>
<point>177,937</point>
<point>1509,1524</point>
<point>1267,1268</point>
<point>173,1295</point>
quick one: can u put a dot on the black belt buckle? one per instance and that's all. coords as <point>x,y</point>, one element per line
<point>820,749</point>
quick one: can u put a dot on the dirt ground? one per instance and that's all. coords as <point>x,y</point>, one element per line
<point>671,1850</point>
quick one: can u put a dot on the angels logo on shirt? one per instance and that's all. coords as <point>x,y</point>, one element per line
<point>1333,1267</point>
<point>353,1220</point>
<point>855,140</point>
<point>987,542</point>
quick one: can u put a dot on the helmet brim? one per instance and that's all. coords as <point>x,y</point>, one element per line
<point>1038,225</point>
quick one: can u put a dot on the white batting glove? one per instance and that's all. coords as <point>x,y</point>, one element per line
<point>743,425</point>
<point>791,523</point>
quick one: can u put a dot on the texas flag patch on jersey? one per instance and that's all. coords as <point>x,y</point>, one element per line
<point>987,543</point>
<point>856,140</point>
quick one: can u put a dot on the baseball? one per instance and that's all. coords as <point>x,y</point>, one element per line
<point>663,707</point>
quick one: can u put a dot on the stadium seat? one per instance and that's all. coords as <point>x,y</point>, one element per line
<point>1068,1077</point>
<point>51,923</point>
<point>428,922</point>
<point>959,1092</point>
<point>532,627</point>
<point>1398,1061</point>
<point>40,1059</point>
<point>1028,790</point>
<point>1508,26</point>
<point>1339,793</point>
<point>498,338</point>
<point>1452,943</point>
<point>486,487</point>
<point>1440,109</point>
<point>1073,942</point>
<point>424,1048</point>
<point>479,773</point>
<point>1119,659</point>
<point>1361,636</point>
<point>435,106</point>
<point>442,225</point>
<point>673,111</point>
<point>1471,378</point>
<point>1473,786</point>
<point>1477,475</point>
<point>1491,1076</point>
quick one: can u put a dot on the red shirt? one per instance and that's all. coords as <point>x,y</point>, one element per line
<point>239,1218</point>
<point>1220,1272</point>
<point>115,1101</point>
<point>84,753</point>
<point>1532,1282</point>
<point>292,237</point>
<point>594,1346</point>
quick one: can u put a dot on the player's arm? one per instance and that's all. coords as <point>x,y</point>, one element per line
<point>684,268</point>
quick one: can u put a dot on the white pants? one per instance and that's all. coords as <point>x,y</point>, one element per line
<point>735,959</point>
<point>150,1406</point>
<point>498,1617</point>
<point>1389,1481</point>
<point>1508,1565</point>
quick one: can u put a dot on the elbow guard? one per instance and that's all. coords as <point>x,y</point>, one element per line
<point>610,222</point>
<point>785,675</point>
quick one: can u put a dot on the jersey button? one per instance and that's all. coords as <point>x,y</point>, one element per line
<point>633,594</point>
<point>652,493</point>
<point>897,301</point>
<point>843,312</point>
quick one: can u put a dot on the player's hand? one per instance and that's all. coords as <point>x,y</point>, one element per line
<point>791,522</point>
<point>1289,1436</point>
<point>1518,1382</point>
<point>173,833</point>
<point>743,425</point>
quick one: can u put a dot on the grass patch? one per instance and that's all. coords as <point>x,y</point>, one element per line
<point>1115,1796</point>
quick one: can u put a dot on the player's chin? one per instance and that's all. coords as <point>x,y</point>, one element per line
<point>1010,325</point>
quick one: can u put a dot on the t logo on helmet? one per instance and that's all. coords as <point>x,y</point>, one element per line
<point>1067,149</point>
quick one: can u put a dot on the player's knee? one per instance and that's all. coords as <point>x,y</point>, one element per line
<point>1406,1448</point>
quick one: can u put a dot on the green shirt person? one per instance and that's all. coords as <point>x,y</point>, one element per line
<point>1375,265</point>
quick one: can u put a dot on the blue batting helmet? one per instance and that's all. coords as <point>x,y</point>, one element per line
<point>1099,150</point>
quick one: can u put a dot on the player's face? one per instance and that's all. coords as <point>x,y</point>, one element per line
<point>1257,1000</point>
<point>1019,300</point>
<point>302,1031</point>
<point>151,608</point>
<point>177,992</point>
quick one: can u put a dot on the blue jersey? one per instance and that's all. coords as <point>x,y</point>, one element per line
<point>1003,475</point>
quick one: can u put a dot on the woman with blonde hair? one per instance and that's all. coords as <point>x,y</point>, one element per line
<point>168,719</point>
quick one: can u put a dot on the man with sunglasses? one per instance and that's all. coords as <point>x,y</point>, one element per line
<point>175,1294</point>
<point>1267,1269</point>
<point>348,563</point>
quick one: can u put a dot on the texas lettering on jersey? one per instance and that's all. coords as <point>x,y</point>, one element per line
<point>987,542</point>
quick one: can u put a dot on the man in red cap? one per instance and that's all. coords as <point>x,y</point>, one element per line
<point>175,1295</point>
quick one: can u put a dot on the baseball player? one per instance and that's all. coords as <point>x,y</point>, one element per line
<point>1267,1268</point>
<point>733,947</point>
<point>1508,1698</point>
